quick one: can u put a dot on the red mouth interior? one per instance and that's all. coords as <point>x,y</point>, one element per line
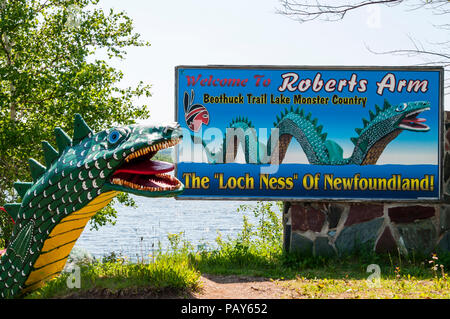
<point>145,172</point>
<point>413,122</point>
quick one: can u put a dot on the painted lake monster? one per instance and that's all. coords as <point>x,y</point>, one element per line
<point>78,180</point>
<point>383,126</point>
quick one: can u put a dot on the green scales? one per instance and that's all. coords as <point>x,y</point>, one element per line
<point>78,180</point>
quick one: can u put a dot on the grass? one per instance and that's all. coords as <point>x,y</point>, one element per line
<point>354,281</point>
<point>167,272</point>
<point>405,287</point>
<point>257,251</point>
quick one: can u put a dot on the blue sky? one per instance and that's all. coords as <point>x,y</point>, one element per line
<point>237,32</point>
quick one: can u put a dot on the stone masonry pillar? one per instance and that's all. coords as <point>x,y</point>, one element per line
<point>329,228</point>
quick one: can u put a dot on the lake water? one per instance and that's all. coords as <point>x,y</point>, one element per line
<point>137,231</point>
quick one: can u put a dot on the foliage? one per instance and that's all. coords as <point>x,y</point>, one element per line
<point>254,248</point>
<point>165,273</point>
<point>178,246</point>
<point>179,265</point>
<point>6,226</point>
<point>268,235</point>
<point>50,69</point>
<point>165,157</point>
<point>434,52</point>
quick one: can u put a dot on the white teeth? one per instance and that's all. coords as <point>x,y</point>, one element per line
<point>172,179</point>
<point>425,128</point>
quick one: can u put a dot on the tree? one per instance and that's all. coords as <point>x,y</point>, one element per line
<point>50,70</point>
<point>433,54</point>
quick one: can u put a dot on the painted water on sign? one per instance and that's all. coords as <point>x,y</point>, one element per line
<point>137,231</point>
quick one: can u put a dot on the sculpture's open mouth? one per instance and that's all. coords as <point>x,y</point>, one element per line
<point>413,123</point>
<point>140,172</point>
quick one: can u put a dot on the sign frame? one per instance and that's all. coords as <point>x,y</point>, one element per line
<point>441,133</point>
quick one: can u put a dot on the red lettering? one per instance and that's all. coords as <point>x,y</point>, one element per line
<point>211,81</point>
<point>191,79</point>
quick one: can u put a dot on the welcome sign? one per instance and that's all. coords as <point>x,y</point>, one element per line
<point>362,133</point>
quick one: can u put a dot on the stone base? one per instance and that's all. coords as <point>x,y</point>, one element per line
<point>336,228</point>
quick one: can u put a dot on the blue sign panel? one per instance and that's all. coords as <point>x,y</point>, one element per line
<point>362,133</point>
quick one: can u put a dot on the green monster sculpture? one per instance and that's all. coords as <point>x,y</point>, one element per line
<point>77,181</point>
<point>384,125</point>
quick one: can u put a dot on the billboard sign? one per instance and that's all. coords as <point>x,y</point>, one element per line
<point>316,133</point>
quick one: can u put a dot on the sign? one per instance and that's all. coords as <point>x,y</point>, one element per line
<point>316,133</point>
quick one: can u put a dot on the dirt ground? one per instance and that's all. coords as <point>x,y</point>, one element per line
<point>213,287</point>
<point>240,287</point>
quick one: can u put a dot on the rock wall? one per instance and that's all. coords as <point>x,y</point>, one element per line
<point>328,228</point>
